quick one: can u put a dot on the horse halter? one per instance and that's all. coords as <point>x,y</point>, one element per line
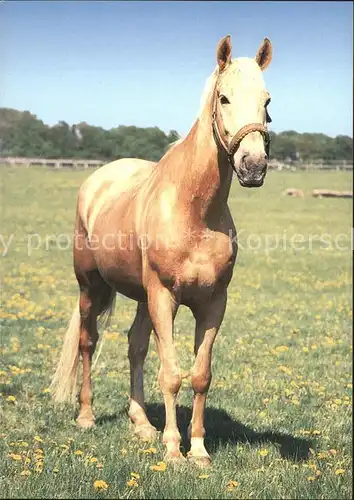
<point>237,138</point>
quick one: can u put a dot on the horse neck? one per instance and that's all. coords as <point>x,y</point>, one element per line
<point>199,170</point>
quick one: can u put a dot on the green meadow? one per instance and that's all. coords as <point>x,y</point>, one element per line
<point>279,415</point>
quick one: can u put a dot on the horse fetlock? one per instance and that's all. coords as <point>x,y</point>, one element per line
<point>171,437</point>
<point>194,433</point>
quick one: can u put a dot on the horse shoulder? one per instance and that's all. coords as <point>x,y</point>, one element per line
<point>107,184</point>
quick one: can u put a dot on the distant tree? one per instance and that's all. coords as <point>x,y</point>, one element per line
<point>23,134</point>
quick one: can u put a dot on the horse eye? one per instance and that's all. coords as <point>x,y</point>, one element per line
<point>268,118</point>
<point>224,100</point>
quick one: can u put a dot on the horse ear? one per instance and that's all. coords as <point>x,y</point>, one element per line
<point>223,52</point>
<point>264,54</point>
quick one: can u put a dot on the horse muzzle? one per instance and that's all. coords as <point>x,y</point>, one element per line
<point>251,170</point>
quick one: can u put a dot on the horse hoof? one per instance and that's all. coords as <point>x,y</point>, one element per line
<point>174,459</point>
<point>85,423</point>
<point>202,461</point>
<point>146,432</point>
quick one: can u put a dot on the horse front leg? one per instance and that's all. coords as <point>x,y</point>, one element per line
<point>162,309</point>
<point>208,317</point>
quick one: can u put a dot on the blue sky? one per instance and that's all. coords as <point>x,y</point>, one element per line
<point>146,63</point>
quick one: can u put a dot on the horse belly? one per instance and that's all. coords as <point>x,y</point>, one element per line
<point>117,255</point>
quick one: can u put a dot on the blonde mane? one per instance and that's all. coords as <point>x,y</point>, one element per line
<point>208,89</point>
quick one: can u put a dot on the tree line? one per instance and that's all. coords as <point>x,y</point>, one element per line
<point>23,134</point>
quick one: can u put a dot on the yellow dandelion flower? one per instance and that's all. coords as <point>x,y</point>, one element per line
<point>203,476</point>
<point>316,433</point>
<point>312,478</point>
<point>263,453</point>
<point>15,456</point>
<point>135,475</point>
<point>149,451</point>
<point>282,348</point>
<point>232,484</point>
<point>38,451</point>
<point>339,472</point>
<point>132,483</point>
<point>11,398</point>
<point>64,446</point>
<point>25,473</point>
<point>159,467</point>
<point>38,439</point>
<point>24,444</point>
<point>93,460</point>
<point>56,470</point>
<point>99,484</point>
<point>27,460</point>
<point>78,452</point>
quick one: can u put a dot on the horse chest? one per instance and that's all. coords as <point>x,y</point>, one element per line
<point>206,263</point>
<point>209,262</point>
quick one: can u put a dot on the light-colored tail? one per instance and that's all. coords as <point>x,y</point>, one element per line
<point>64,383</point>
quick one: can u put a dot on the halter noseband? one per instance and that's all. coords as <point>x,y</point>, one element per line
<point>237,138</point>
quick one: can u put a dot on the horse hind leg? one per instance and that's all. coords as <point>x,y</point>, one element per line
<point>95,299</point>
<point>139,336</point>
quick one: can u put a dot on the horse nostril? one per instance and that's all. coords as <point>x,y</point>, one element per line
<point>243,157</point>
<point>265,156</point>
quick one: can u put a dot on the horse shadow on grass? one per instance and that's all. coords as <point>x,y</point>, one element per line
<point>221,430</point>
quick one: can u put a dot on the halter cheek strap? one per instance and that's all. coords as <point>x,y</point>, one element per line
<point>237,138</point>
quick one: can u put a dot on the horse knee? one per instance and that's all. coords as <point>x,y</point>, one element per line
<point>201,381</point>
<point>170,379</point>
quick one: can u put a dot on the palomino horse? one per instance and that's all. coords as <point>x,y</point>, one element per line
<point>162,234</point>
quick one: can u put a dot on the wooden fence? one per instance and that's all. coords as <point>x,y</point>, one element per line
<point>77,163</point>
<point>51,162</point>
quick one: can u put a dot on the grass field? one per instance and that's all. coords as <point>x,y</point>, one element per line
<point>279,408</point>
